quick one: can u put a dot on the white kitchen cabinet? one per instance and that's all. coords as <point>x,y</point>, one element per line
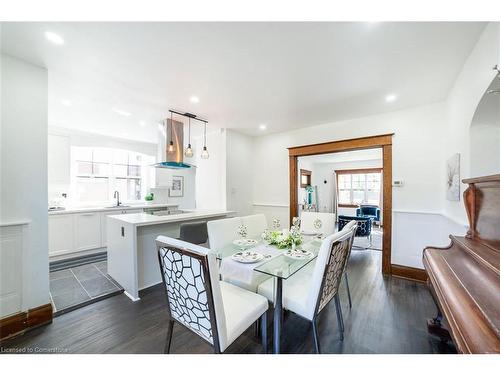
<point>61,234</point>
<point>74,232</point>
<point>87,231</point>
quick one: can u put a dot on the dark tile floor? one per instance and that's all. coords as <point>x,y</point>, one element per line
<point>79,285</point>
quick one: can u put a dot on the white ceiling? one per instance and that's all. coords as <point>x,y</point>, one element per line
<point>284,75</point>
<point>347,156</point>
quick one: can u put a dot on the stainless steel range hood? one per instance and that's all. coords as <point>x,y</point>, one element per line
<point>172,130</point>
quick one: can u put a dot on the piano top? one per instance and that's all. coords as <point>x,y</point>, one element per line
<point>466,280</point>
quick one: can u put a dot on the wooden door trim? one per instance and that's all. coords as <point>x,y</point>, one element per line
<point>375,141</point>
<point>409,273</point>
<point>21,322</point>
<point>383,141</point>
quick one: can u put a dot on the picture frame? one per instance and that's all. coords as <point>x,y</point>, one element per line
<point>453,178</point>
<point>177,188</point>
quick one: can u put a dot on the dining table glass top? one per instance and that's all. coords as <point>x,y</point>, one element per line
<point>279,266</point>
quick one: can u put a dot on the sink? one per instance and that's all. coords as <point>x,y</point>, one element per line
<point>120,206</point>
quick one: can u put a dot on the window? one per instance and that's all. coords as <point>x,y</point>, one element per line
<point>357,187</point>
<point>305,178</point>
<point>98,172</point>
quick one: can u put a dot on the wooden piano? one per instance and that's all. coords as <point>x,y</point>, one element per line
<point>464,278</point>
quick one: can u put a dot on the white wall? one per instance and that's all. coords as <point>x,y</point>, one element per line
<point>23,161</point>
<point>211,172</point>
<point>418,160</point>
<point>471,84</point>
<point>164,181</point>
<point>239,172</point>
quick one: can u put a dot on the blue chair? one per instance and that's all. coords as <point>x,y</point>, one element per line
<point>364,226</point>
<point>369,211</point>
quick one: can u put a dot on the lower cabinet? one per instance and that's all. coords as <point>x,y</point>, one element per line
<point>61,234</point>
<point>71,233</point>
<point>87,231</point>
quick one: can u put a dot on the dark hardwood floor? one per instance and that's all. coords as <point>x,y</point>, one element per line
<point>388,316</point>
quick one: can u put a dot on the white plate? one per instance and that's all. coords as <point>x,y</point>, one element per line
<point>298,254</point>
<point>245,242</point>
<point>247,256</point>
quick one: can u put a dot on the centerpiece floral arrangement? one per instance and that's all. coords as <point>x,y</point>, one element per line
<point>243,231</point>
<point>285,238</point>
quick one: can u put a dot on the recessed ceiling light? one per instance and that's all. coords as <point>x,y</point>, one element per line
<point>262,126</point>
<point>390,98</point>
<point>54,38</point>
<point>194,99</point>
<point>142,124</point>
<point>66,102</point>
<point>121,112</point>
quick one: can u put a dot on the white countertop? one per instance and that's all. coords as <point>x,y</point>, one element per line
<point>14,223</point>
<point>73,210</point>
<point>141,219</point>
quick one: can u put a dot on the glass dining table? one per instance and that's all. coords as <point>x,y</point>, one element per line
<point>280,267</point>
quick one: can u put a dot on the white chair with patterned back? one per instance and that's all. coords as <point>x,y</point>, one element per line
<point>256,224</point>
<point>317,222</point>
<point>222,233</point>
<point>352,225</point>
<point>307,294</point>
<point>216,311</point>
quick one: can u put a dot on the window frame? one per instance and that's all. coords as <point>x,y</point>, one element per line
<point>111,176</point>
<point>308,174</point>
<point>357,171</point>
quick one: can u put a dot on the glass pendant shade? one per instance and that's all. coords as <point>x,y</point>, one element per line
<point>171,147</point>
<point>189,151</point>
<point>204,153</point>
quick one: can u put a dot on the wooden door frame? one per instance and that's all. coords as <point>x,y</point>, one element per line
<point>383,141</point>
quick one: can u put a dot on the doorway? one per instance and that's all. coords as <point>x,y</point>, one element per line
<point>384,142</point>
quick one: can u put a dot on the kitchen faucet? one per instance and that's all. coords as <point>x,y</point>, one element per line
<point>117,196</point>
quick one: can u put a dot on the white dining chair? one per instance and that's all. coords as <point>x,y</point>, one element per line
<point>216,311</point>
<point>256,224</point>
<point>317,222</point>
<point>351,225</point>
<point>223,232</point>
<point>307,294</point>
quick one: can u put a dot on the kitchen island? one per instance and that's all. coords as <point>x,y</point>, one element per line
<point>132,257</point>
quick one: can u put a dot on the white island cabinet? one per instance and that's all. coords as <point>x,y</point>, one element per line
<point>132,256</point>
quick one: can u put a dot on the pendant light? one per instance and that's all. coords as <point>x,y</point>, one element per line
<point>189,151</point>
<point>171,147</point>
<point>204,153</point>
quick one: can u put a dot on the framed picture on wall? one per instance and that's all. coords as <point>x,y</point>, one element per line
<point>177,188</point>
<point>453,178</point>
